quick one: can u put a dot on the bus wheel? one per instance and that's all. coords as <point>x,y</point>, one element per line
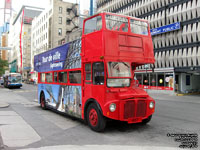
<point>95,119</point>
<point>42,101</point>
<point>145,121</point>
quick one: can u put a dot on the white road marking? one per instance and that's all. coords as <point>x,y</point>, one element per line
<point>104,147</point>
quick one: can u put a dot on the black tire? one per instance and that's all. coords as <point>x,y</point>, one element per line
<point>145,121</point>
<point>98,125</point>
<point>42,101</point>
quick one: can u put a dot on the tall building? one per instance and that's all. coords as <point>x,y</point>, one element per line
<point>4,43</point>
<point>4,30</point>
<point>49,29</point>
<point>175,29</point>
<point>93,7</point>
<point>20,39</point>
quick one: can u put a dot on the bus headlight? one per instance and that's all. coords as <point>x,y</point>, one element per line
<point>151,105</point>
<point>112,107</point>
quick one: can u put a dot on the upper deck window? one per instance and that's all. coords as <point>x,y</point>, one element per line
<point>139,27</point>
<point>116,23</point>
<point>92,25</point>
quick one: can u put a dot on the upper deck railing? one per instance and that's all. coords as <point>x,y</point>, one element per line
<point>112,36</point>
<point>115,22</point>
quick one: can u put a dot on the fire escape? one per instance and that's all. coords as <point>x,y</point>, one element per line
<point>73,18</point>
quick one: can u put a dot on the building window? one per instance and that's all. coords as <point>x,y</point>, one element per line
<point>68,21</point>
<point>187,79</point>
<point>59,31</point>
<point>50,11</point>
<point>60,20</point>
<point>68,11</point>
<point>60,10</point>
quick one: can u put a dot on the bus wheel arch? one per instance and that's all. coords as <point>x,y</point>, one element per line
<point>88,102</point>
<point>42,100</point>
<point>93,115</point>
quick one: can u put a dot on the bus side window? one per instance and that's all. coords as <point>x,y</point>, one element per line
<point>98,73</point>
<point>62,77</point>
<point>55,76</point>
<point>75,76</point>
<point>42,77</point>
<point>88,72</point>
<point>49,77</point>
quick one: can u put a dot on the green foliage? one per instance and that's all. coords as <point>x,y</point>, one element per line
<point>3,66</point>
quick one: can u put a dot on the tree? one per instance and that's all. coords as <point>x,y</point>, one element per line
<point>3,66</point>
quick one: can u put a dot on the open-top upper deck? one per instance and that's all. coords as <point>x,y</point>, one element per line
<point>116,36</point>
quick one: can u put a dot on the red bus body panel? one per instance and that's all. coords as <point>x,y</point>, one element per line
<point>132,103</point>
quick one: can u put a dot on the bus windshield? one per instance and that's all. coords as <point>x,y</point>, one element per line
<point>119,69</point>
<point>118,73</point>
<point>15,78</point>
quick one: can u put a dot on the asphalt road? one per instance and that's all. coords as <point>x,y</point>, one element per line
<point>172,116</point>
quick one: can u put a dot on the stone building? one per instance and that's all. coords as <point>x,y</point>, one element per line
<point>49,29</point>
<point>4,30</point>
<point>20,40</point>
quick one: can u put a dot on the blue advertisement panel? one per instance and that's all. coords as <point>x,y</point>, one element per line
<point>51,60</point>
<point>63,98</point>
<point>66,56</point>
<point>167,28</point>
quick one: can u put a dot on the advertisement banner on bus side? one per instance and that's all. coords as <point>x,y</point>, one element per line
<point>66,56</point>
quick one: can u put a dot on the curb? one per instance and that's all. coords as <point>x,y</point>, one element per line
<point>187,94</point>
<point>4,105</point>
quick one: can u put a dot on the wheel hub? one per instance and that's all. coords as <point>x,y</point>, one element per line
<point>93,117</point>
<point>42,101</point>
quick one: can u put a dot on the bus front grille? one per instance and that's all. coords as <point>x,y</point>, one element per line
<point>129,108</point>
<point>141,108</point>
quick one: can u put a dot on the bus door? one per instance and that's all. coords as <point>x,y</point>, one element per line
<point>87,81</point>
<point>94,81</point>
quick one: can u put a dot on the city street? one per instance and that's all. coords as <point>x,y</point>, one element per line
<point>24,125</point>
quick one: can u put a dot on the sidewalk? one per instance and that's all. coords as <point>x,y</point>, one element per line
<point>14,130</point>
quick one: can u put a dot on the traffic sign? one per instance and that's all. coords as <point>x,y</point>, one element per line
<point>167,28</point>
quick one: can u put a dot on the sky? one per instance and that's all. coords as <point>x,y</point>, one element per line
<point>17,4</point>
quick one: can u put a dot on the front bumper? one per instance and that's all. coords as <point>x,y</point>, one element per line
<point>131,110</point>
<point>14,85</point>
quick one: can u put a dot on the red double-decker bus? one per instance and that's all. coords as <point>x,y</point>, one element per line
<point>93,77</point>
